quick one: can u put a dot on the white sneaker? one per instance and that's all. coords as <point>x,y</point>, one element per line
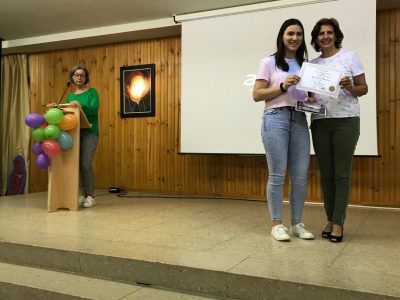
<point>301,232</point>
<point>89,202</point>
<point>81,200</point>
<point>280,233</point>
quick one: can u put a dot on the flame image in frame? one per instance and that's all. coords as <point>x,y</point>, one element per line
<point>137,91</point>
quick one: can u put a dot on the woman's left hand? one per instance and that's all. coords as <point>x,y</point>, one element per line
<point>357,87</point>
<point>75,103</point>
<point>346,83</point>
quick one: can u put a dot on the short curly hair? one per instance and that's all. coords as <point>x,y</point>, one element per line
<point>78,67</point>
<point>325,21</point>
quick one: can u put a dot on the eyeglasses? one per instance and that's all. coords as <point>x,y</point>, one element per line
<point>80,75</point>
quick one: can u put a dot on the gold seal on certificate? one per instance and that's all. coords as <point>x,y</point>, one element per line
<point>331,88</point>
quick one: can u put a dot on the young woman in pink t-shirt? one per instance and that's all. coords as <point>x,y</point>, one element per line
<point>284,131</point>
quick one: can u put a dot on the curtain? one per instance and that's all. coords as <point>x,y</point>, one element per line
<point>14,106</point>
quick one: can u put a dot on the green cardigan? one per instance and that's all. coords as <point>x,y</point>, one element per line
<point>89,101</point>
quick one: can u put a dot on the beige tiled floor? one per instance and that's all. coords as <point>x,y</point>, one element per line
<point>215,234</point>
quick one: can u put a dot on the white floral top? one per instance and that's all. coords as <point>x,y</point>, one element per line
<point>346,105</point>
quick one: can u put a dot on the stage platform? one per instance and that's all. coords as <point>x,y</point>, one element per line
<point>207,248</point>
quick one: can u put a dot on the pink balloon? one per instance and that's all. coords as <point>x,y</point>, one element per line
<point>50,147</point>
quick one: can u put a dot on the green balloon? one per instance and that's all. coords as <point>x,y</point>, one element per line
<point>54,116</point>
<point>38,134</point>
<point>52,132</point>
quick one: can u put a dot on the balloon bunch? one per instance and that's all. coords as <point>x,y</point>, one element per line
<point>49,134</point>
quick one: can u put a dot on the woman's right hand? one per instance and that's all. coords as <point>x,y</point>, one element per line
<point>291,80</point>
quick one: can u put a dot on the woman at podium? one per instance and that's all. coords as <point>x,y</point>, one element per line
<point>88,99</point>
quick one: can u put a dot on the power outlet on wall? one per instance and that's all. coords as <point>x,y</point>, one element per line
<point>114,190</point>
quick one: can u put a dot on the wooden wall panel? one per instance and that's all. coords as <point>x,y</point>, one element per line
<point>142,154</point>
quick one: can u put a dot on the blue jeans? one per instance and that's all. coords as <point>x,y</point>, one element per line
<point>286,140</point>
<point>88,145</point>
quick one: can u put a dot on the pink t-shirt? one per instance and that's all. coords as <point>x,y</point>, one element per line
<point>274,76</point>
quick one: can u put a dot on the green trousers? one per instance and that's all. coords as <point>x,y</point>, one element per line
<point>335,141</point>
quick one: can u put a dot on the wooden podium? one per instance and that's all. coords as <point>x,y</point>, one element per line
<point>63,173</point>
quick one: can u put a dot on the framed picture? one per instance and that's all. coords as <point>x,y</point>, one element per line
<point>137,91</point>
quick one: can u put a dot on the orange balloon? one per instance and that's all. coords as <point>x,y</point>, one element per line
<point>68,123</point>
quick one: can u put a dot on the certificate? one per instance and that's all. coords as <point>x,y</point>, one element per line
<point>320,79</point>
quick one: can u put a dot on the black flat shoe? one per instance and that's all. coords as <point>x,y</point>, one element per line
<point>336,239</point>
<point>326,234</point>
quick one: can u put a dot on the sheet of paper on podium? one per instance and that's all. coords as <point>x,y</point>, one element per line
<point>83,120</point>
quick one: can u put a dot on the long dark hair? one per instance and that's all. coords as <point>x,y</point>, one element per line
<point>301,53</point>
<point>338,33</point>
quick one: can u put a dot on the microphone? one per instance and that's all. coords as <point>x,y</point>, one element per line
<point>68,85</point>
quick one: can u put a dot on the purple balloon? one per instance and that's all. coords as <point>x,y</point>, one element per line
<point>34,120</point>
<point>37,148</point>
<point>42,161</point>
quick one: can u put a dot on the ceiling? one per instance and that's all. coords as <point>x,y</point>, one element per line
<point>38,25</point>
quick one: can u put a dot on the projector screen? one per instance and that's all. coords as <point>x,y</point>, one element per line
<point>220,56</point>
